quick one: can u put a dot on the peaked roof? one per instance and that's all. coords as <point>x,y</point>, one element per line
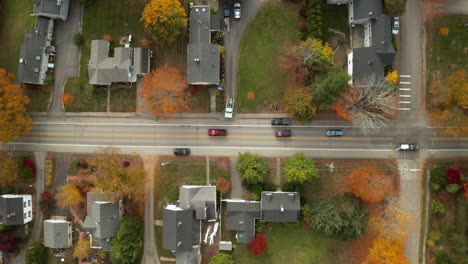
<point>280,206</point>
<point>241,217</point>
<point>177,228</point>
<point>11,209</point>
<point>201,199</point>
<point>35,51</point>
<point>366,8</point>
<point>202,56</point>
<point>57,233</point>
<point>55,9</point>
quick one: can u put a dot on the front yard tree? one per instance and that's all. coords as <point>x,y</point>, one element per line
<point>394,222</point>
<point>369,104</point>
<point>164,19</point>
<point>370,184</point>
<point>258,245</point>
<point>9,171</point>
<point>300,104</point>
<point>223,185</point>
<point>300,169</point>
<point>385,251</point>
<point>164,91</point>
<point>222,258</point>
<point>126,247</point>
<point>68,195</point>
<point>82,249</point>
<point>110,175</point>
<point>252,168</point>
<point>9,240</point>
<point>35,253</point>
<point>329,88</point>
<point>340,216</point>
<point>13,120</point>
<point>314,54</point>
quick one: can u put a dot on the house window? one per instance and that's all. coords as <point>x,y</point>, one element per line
<point>24,215</point>
<point>24,204</point>
<point>29,202</point>
<point>29,214</point>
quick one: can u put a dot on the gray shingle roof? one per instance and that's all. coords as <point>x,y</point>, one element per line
<point>202,56</point>
<point>241,217</point>
<point>280,206</point>
<point>141,58</point>
<point>177,228</point>
<point>202,199</point>
<point>35,51</point>
<point>54,9</point>
<point>11,210</point>
<point>57,233</point>
<point>188,257</point>
<point>103,217</point>
<point>363,9</point>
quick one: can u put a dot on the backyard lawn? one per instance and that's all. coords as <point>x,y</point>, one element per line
<point>291,243</point>
<point>267,37</point>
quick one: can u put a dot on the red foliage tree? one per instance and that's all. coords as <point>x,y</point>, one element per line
<point>452,175</point>
<point>9,240</point>
<point>258,245</point>
<point>30,164</point>
<point>46,196</point>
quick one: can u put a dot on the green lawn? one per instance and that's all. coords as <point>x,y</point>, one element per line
<point>271,31</point>
<point>291,243</point>
<point>15,17</point>
<point>39,97</point>
<point>120,98</point>
<point>87,98</point>
<point>335,17</point>
<point>447,54</point>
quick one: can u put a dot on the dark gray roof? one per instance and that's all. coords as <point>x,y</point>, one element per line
<point>280,206</point>
<point>141,60</point>
<point>177,228</point>
<point>364,9</point>
<point>241,217</point>
<point>202,56</point>
<point>35,51</point>
<point>11,209</point>
<point>103,218</point>
<point>201,199</point>
<point>57,233</point>
<point>188,257</point>
<point>55,9</point>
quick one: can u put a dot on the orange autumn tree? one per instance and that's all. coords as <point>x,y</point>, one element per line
<point>370,184</point>
<point>384,251</point>
<point>67,98</point>
<point>444,31</point>
<point>13,120</point>
<point>164,91</point>
<point>223,185</point>
<point>165,19</point>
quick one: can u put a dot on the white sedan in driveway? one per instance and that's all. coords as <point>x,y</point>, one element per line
<point>395,26</point>
<point>237,11</point>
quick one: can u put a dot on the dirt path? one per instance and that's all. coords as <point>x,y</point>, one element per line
<point>150,255</point>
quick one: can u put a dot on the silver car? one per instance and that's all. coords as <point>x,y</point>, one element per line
<point>237,11</point>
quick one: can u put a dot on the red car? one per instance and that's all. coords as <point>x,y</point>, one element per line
<point>217,132</point>
<point>283,133</point>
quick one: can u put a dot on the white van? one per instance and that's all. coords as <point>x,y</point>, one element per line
<point>229,108</point>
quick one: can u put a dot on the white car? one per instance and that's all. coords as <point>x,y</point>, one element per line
<point>229,108</point>
<point>237,11</point>
<point>395,26</point>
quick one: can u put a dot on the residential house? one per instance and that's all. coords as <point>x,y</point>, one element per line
<point>35,52</point>
<point>15,209</point>
<point>203,57</point>
<point>371,38</point>
<point>274,207</point>
<point>53,9</point>
<point>125,66</point>
<point>57,233</point>
<point>104,213</point>
<point>182,222</point>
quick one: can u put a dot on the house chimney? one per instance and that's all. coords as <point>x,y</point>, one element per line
<point>370,62</point>
<point>370,13</point>
<point>179,224</point>
<point>282,208</point>
<point>179,243</point>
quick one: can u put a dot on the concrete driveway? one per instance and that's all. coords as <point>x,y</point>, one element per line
<point>457,6</point>
<point>233,35</point>
<point>67,60</point>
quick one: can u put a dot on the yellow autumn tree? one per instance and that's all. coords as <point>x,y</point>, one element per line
<point>458,93</point>
<point>164,19</point>
<point>392,77</point>
<point>13,120</point>
<point>112,175</point>
<point>68,195</point>
<point>82,249</point>
<point>386,252</point>
<point>164,91</point>
<point>9,171</point>
<point>314,54</point>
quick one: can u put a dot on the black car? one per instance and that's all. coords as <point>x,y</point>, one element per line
<point>182,151</point>
<point>283,133</point>
<point>280,121</point>
<point>334,133</point>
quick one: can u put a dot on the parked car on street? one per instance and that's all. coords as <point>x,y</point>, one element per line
<point>280,121</point>
<point>334,133</point>
<point>229,107</point>
<point>217,132</point>
<point>182,151</point>
<point>283,133</point>
<point>408,147</point>
<point>395,26</point>
<point>237,11</point>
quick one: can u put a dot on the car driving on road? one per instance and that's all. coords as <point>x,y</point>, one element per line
<point>334,133</point>
<point>182,151</point>
<point>408,147</point>
<point>283,133</point>
<point>280,121</point>
<point>237,11</point>
<point>217,132</point>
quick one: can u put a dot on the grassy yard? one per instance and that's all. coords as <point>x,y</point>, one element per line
<point>334,17</point>
<point>271,31</point>
<point>15,17</point>
<point>291,243</point>
<point>39,97</point>
<point>86,98</point>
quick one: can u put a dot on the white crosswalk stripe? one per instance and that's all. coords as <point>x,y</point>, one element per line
<point>405,89</point>
<point>405,82</point>
<point>404,109</point>
<point>405,102</point>
<point>405,95</point>
<point>405,76</point>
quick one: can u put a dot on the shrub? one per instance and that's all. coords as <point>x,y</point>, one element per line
<point>453,175</point>
<point>442,258</point>
<point>437,207</point>
<point>256,191</point>
<point>258,245</point>
<point>78,39</point>
<point>288,187</point>
<point>260,226</point>
<point>437,178</point>
<point>268,187</point>
<point>35,253</point>
<point>49,79</point>
<point>8,190</point>
<point>314,19</point>
<point>19,190</point>
<point>453,188</point>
